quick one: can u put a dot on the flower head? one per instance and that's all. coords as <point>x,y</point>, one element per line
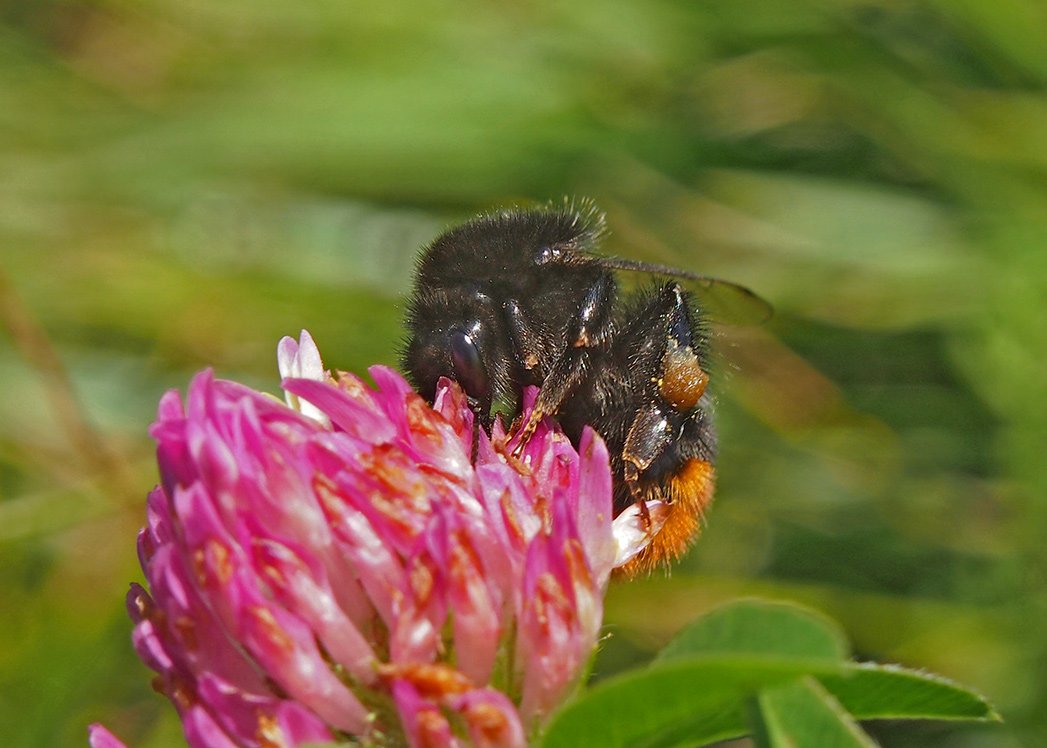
<point>346,565</point>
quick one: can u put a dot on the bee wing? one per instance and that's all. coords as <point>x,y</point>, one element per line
<point>723,300</point>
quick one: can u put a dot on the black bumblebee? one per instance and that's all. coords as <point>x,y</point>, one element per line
<point>519,298</point>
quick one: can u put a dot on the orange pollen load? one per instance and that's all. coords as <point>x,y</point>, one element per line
<point>683,380</point>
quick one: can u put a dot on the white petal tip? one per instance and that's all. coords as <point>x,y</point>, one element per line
<point>632,533</point>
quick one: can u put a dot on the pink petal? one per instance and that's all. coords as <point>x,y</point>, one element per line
<point>424,434</point>
<point>425,725</point>
<point>450,402</point>
<point>99,737</point>
<point>595,510</point>
<point>301,360</point>
<point>422,602</point>
<point>286,649</point>
<point>202,731</point>
<point>491,719</point>
<point>247,717</point>
<point>380,571</point>
<point>476,604</point>
<point>560,617</point>
<point>297,726</point>
<point>301,586</point>
<point>353,416</point>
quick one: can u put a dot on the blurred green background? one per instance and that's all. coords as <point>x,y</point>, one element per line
<point>182,183</point>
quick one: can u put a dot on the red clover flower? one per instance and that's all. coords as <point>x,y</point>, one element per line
<point>344,566</point>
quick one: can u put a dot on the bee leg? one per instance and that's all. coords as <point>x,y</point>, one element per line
<point>647,439</point>
<point>632,480</point>
<point>589,328</point>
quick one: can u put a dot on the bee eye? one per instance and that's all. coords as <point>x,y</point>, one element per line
<point>468,366</point>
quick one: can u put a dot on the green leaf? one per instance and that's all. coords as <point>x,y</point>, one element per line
<point>804,714</point>
<point>641,706</point>
<point>728,723</point>
<point>871,691</point>
<point>760,627</point>
<point>756,652</point>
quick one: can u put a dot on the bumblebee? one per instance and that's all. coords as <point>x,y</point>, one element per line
<point>521,297</point>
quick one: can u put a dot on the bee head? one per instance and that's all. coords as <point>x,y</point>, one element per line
<point>455,336</point>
